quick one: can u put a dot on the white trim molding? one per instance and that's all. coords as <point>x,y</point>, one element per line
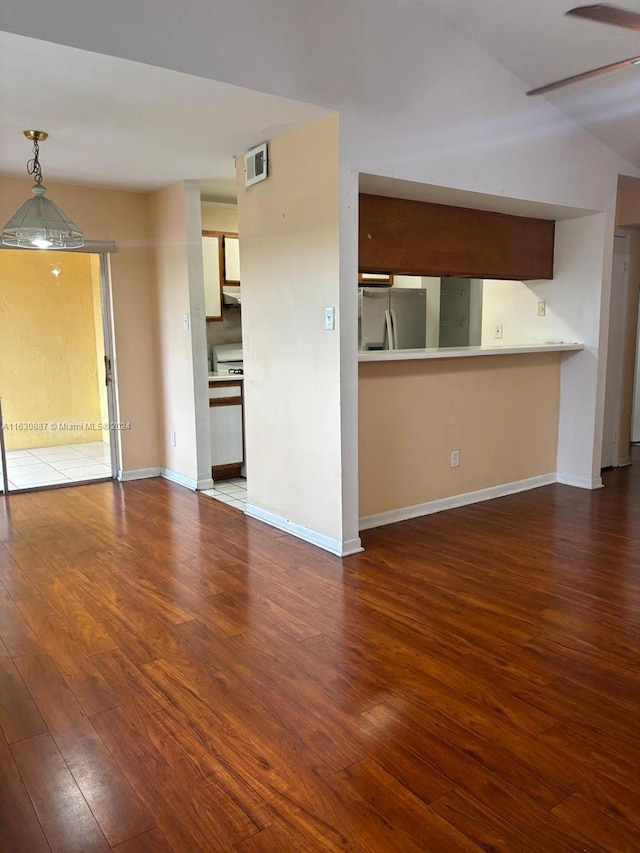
<point>138,474</point>
<point>405,513</point>
<point>580,482</point>
<point>334,546</point>
<point>180,479</point>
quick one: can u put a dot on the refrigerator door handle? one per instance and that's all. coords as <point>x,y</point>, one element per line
<point>394,326</point>
<point>389,329</point>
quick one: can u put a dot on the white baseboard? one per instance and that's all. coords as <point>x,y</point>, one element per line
<point>180,479</point>
<point>334,546</point>
<point>205,484</point>
<point>138,474</point>
<point>580,482</point>
<point>622,463</point>
<point>405,513</point>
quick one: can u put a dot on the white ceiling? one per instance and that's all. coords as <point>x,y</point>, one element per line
<point>140,127</point>
<point>537,42</point>
<point>150,126</point>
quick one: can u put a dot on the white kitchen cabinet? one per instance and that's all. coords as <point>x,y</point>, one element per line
<point>211,256</point>
<point>227,427</point>
<point>231,259</point>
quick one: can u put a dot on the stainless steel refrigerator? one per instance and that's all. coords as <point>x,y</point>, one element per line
<point>392,318</point>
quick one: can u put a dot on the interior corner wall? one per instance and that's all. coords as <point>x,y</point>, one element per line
<point>630,337</point>
<point>198,324</point>
<point>289,228</point>
<point>582,276</point>
<point>175,362</point>
<point>349,381</point>
<point>124,218</point>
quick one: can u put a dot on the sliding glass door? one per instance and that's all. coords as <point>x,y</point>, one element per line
<point>58,427</point>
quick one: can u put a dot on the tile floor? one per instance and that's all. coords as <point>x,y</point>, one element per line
<point>232,492</point>
<point>55,466</point>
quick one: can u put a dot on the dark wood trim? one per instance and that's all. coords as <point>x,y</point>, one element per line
<point>419,238</point>
<point>224,401</point>
<point>231,281</point>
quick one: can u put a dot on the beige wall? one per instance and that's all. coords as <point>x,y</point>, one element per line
<point>219,217</point>
<point>290,257</point>
<point>122,217</point>
<point>501,412</point>
<point>48,365</point>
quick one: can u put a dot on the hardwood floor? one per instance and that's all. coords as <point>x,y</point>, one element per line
<point>175,677</point>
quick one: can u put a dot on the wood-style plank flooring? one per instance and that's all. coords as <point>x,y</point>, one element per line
<point>175,677</point>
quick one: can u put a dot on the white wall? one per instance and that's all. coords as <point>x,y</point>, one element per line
<point>583,279</point>
<point>514,305</point>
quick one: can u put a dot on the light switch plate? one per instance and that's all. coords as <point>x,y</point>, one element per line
<point>329,319</point>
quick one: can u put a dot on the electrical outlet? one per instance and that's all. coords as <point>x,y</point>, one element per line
<point>542,309</point>
<point>497,330</point>
<point>455,458</point>
<point>185,322</point>
<point>172,439</point>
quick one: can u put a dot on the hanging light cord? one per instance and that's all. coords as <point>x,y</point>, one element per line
<point>33,166</point>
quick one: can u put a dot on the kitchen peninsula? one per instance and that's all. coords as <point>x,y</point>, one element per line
<point>445,427</point>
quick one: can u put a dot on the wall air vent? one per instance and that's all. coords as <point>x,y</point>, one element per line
<point>256,164</point>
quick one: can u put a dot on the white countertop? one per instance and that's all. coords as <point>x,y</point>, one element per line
<point>466,352</point>
<point>225,377</point>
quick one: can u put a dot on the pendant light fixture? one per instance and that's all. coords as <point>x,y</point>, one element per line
<point>40,224</point>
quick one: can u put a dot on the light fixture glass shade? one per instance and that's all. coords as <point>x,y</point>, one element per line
<point>40,224</point>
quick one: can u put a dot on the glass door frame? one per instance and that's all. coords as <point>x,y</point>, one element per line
<point>4,487</point>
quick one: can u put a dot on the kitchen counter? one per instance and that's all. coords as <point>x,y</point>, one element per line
<point>225,377</point>
<point>466,352</point>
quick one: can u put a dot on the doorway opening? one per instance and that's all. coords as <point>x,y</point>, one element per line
<point>56,394</point>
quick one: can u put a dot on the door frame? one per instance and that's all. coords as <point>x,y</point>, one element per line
<point>614,384</point>
<point>102,248</point>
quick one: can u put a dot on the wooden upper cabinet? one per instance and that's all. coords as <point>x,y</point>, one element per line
<point>212,268</point>
<point>221,265</point>
<point>419,238</point>
<point>231,259</point>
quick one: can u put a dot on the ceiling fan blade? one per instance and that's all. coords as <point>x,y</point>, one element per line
<point>605,14</point>
<point>595,72</point>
